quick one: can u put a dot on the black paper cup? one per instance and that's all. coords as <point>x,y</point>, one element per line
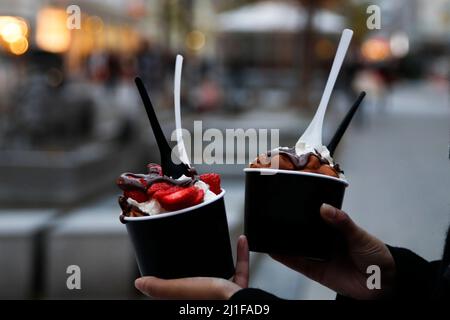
<point>282,212</point>
<point>190,242</point>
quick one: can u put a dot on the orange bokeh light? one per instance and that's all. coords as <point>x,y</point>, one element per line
<point>19,47</point>
<point>52,33</point>
<point>375,49</point>
<point>13,34</point>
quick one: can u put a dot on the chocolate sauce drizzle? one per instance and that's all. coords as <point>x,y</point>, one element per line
<point>128,180</point>
<point>299,161</point>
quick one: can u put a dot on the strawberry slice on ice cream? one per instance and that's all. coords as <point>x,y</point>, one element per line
<point>180,199</point>
<point>213,180</point>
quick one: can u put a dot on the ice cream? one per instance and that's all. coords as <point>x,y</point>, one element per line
<point>155,193</point>
<point>304,158</point>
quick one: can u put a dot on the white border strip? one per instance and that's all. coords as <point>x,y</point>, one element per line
<point>300,173</point>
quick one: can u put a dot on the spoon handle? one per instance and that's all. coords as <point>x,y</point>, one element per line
<point>163,145</point>
<point>176,96</point>
<point>313,134</point>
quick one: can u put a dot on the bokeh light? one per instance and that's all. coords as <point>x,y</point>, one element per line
<point>375,49</point>
<point>20,46</point>
<point>195,40</point>
<point>399,44</point>
<point>52,33</point>
<point>13,32</point>
<point>55,77</point>
<point>94,24</point>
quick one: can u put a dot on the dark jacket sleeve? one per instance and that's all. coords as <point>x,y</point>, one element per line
<point>415,277</point>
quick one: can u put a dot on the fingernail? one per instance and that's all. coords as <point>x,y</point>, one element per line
<point>328,211</point>
<point>139,283</point>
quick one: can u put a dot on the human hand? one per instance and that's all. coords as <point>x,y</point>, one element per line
<point>345,272</point>
<point>198,288</point>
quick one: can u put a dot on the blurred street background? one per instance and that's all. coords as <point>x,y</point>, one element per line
<point>71,121</point>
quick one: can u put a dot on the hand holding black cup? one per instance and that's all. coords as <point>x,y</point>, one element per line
<point>196,288</point>
<point>346,271</point>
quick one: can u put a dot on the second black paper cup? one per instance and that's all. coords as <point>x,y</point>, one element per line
<point>282,212</point>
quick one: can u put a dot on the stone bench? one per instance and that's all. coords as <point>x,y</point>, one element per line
<point>93,239</point>
<point>20,251</point>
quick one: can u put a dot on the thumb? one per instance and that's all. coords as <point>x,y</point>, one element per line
<point>242,264</point>
<point>341,221</point>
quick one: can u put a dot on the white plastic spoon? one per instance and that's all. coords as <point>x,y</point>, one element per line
<point>312,137</point>
<point>176,96</point>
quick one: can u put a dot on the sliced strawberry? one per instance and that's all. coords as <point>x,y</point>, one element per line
<point>139,196</point>
<point>160,193</point>
<point>213,180</point>
<point>179,200</point>
<point>158,186</point>
<point>199,197</point>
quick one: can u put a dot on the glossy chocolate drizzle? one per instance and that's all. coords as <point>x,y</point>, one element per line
<point>128,180</point>
<point>299,161</point>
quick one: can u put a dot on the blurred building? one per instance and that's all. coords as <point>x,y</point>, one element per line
<point>262,46</point>
<point>65,93</point>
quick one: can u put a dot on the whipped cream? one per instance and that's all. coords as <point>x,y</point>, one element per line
<point>304,148</point>
<point>209,195</point>
<point>151,207</point>
<point>184,178</point>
